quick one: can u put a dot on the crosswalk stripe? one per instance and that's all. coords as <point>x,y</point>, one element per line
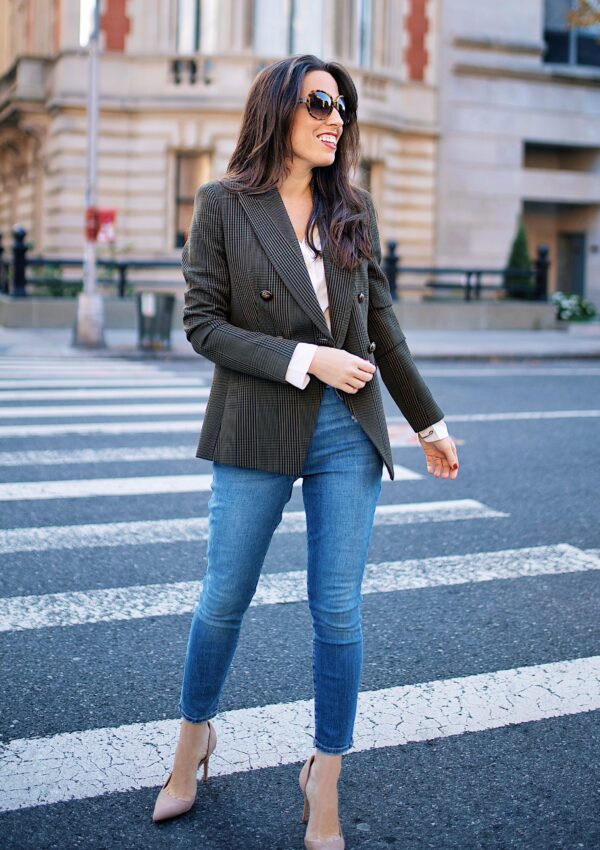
<point>131,454</point>
<point>516,416</point>
<point>48,457</point>
<point>145,532</point>
<point>160,379</point>
<point>508,371</point>
<point>19,613</point>
<point>85,394</point>
<point>145,485</point>
<point>65,410</point>
<point>185,426</point>
<point>155,426</point>
<point>94,762</point>
<point>99,368</point>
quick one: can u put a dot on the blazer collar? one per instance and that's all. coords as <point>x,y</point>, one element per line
<point>271,223</point>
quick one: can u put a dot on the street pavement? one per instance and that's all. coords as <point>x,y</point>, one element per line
<point>576,340</point>
<point>478,715</point>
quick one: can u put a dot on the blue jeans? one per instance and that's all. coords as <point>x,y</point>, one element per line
<point>340,487</point>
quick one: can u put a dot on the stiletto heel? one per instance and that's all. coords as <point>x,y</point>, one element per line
<point>167,806</point>
<point>336,842</point>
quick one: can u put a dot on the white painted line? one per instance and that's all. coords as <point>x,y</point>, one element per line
<point>131,454</point>
<point>66,410</point>
<point>157,426</point>
<point>134,455</point>
<point>91,763</point>
<point>85,394</point>
<point>507,371</point>
<point>145,485</point>
<point>145,532</point>
<point>19,613</point>
<point>515,415</point>
<point>41,370</point>
<point>162,379</point>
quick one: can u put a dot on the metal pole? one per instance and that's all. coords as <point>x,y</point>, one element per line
<point>89,328</point>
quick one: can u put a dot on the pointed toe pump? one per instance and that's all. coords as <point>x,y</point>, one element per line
<point>167,806</point>
<point>336,842</point>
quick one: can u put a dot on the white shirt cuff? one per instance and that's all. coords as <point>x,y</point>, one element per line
<point>297,370</point>
<point>437,431</point>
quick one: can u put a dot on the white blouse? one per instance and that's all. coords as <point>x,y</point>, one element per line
<point>297,371</point>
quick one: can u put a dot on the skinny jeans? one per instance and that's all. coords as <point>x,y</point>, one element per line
<point>341,483</point>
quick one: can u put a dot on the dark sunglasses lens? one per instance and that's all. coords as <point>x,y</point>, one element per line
<point>341,104</point>
<point>320,104</point>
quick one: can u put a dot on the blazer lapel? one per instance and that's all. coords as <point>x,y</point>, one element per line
<point>340,291</point>
<point>273,228</point>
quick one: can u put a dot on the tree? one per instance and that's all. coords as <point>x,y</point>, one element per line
<point>519,286</point>
<point>585,14</point>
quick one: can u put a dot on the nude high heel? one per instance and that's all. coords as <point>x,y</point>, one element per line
<point>337,841</point>
<point>167,806</point>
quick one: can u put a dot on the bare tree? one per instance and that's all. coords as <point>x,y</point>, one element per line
<point>586,14</point>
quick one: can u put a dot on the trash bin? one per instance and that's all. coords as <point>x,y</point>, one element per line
<point>154,313</point>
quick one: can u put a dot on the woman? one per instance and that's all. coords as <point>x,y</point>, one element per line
<point>286,296</point>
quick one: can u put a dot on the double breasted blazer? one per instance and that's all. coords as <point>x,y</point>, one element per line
<point>249,300</point>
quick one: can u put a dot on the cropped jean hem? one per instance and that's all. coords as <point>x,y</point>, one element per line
<point>196,719</point>
<point>333,751</point>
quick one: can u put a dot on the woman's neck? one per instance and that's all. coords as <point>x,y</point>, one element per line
<point>297,184</point>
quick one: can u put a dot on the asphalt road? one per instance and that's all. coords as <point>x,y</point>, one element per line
<point>478,722</point>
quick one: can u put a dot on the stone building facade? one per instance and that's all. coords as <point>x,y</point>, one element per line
<point>467,120</point>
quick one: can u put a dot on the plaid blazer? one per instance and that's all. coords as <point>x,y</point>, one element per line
<point>249,300</point>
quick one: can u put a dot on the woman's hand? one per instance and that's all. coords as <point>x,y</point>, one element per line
<point>340,369</point>
<point>441,457</point>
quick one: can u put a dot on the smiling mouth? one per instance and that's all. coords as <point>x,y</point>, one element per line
<point>329,140</point>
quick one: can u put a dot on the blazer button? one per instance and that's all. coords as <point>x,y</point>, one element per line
<point>266,294</point>
<point>372,348</point>
<point>361,297</point>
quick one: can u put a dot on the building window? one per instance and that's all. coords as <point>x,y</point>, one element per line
<point>365,41</point>
<point>566,45</point>
<point>556,157</point>
<point>188,26</point>
<point>286,27</point>
<point>86,17</point>
<point>344,29</point>
<point>192,169</point>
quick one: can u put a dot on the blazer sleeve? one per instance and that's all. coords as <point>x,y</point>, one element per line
<point>206,301</point>
<point>392,355</point>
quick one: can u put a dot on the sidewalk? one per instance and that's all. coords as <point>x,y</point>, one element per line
<point>582,341</point>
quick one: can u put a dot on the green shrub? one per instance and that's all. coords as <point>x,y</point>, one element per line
<point>519,286</point>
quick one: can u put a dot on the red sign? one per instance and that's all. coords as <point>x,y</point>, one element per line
<point>100,225</point>
<point>106,231</point>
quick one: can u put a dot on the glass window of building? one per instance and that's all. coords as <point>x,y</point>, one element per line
<point>365,42</point>
<point>344,29</point>
<point>285,27</point>
<point>197,22</point>
<point>192,169</point>
<point>188,26</point>
<point>566,44</point>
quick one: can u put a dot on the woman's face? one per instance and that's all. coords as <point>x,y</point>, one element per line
<point>314,141</point>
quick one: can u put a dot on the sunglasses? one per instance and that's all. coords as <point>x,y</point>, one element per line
<point>320,105</point>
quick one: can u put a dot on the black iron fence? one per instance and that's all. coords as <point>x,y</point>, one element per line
<point>469,281</point>
<point>21,273</point>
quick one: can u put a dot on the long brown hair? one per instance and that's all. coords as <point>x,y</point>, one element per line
<point>263,151</point>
